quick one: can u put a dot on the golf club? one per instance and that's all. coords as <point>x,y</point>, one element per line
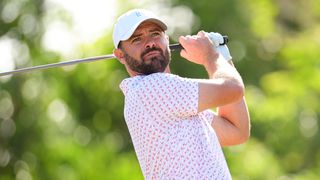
<point>173,47</point>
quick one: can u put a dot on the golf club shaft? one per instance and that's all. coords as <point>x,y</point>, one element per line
<point>59,64</point>
<point>71,62</point>
<point>173,47</point>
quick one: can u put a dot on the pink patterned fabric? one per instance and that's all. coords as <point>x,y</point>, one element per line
<point>171,140</point>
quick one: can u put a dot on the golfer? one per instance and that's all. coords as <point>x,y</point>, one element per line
<point>174,132</point>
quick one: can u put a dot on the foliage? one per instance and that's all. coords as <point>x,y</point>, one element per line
<point>67,123</point>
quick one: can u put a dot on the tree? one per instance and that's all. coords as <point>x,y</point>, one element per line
<point>68,122</point>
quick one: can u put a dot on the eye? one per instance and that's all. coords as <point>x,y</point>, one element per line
<point>136,40</point>
<point>155,34</point>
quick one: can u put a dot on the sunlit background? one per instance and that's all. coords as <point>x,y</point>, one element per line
<point>67,123</point>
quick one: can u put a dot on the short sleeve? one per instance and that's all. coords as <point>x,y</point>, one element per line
<point>169,95</point>
<point>207,115</point>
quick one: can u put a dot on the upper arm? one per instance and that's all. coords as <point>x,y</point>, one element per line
<point>232,123</point>
<point>227,133</point>
<point>217,92</point>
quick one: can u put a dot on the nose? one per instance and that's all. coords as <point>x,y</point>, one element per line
<point>150,43</point>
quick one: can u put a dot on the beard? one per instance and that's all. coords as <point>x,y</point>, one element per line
<point>151,65</point>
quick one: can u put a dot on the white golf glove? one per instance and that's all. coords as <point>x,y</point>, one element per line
<point>217,39</point>
<point>224,51</point>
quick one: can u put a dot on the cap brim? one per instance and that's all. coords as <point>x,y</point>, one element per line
<point>129,33</point>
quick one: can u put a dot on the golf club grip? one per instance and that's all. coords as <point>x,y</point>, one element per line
<point>177,47</point>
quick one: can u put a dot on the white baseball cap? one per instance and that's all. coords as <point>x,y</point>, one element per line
<point>127,23</point>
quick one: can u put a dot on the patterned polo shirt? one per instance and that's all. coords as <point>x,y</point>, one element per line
<point>171,139</point>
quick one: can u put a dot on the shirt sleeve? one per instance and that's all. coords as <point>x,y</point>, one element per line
<point>169,95</point>
<point>208,115</point>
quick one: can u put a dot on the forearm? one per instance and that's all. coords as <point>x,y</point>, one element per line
<point>228,75</point>
<point>223,87</point>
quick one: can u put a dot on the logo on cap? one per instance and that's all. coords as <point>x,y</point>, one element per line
<point>138,14</point>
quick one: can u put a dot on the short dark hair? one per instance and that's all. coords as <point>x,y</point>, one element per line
<point>120,45</point>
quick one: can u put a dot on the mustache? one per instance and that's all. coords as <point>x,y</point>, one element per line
<point>150,50</point>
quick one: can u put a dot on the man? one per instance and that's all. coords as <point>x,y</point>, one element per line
<point>174,132</point>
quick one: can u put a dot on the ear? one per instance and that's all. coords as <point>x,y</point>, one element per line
<point>119,55</point>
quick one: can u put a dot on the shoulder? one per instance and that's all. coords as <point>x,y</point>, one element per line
<point>159,78</point>
<point>163,78</point>
<point>129,83</point>
<point>167,82</point>
<point>156,82</point>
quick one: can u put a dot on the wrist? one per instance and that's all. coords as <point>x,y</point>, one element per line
<point>212,64</point>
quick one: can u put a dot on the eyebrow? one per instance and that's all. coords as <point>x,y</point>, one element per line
<point>140,34</point>
<point>135,35</point>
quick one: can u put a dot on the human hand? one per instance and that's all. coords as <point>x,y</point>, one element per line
<point>198,48</point>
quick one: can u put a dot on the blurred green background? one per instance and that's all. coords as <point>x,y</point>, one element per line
<point>67,123</point>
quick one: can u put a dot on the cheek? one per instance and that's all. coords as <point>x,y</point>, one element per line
<point>164,43</point>
<point>134,52</point>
